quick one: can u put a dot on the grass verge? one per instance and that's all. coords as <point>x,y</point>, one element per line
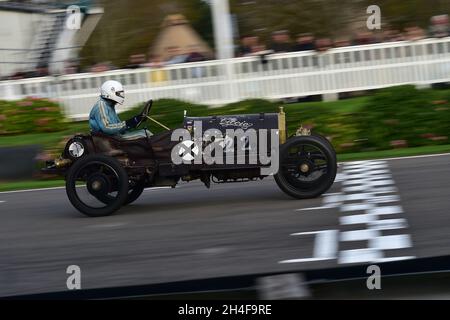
<point>32,184</point>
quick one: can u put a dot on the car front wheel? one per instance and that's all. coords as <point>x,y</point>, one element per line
<point>97,177</point>
<point>307,166</point>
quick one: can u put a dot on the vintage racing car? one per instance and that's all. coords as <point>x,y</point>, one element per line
<point>104,173</point>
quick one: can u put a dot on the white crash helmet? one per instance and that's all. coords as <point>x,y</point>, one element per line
<point>113,90</point>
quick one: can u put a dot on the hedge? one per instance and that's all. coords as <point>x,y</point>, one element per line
<point>31,115</point>
<point>404,116</point>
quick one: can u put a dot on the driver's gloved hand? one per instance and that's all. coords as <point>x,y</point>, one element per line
<point>133,122</point>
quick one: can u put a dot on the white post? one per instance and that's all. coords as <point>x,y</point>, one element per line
<point>223,39</point>
<point>223,34</point>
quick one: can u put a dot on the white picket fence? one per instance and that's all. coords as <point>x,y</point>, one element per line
<point>285,75</point>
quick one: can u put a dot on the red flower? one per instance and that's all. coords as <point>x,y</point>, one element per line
<point>42,121</point>
<point>427,135</point>
<point>25,103</point>
<point>440,138</point>
<point>399,143</point>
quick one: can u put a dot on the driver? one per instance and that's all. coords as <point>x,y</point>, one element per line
<point>103,117</point>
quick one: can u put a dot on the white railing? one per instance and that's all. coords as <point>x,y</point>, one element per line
<point>284,75</point>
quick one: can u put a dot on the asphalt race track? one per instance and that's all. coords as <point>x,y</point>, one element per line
<point>376,211</point>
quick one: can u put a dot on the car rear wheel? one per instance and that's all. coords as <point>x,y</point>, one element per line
<point>307,168</point>
<point>97,177</point>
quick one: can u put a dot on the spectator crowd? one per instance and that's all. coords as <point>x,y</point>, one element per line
<point>280,41</point>
<point>175,55</point>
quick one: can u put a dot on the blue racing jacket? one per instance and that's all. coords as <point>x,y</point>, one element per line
<point>103,118</point>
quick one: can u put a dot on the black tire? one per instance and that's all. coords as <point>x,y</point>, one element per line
<point>133,194</point>
<point>287,180</point>
<point>325,140</point>
<point>111,206</point>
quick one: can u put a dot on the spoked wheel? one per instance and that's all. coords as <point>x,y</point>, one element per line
<point>307,168</point>
<point>97,185</point>
<point>134,193</point>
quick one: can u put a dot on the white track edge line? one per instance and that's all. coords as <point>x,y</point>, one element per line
<point>403,158</point>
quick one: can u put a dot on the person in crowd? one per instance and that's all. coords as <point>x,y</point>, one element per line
<point>176,55</point>
<point>323,44</point>
<point>256,50</point>
<point>342,42</point>
<point>136,61</point>
<point>155,61</point>
<point>195,54</point>
<point>397,35</point>
<point>261,52</point>
<point>245,47</point>
<point>71,67</point>
<point>387,35</point>
<point>364,37</point>
<point>305,42</point>
<point>414,33</point>
<point>40,71</point>
<point>248,45</point>
<point>102,67</point>
<point>280,42</point>
<point>440,26</point>
<point>17,76</point>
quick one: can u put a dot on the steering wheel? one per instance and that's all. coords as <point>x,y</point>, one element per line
<point>145,112</point>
